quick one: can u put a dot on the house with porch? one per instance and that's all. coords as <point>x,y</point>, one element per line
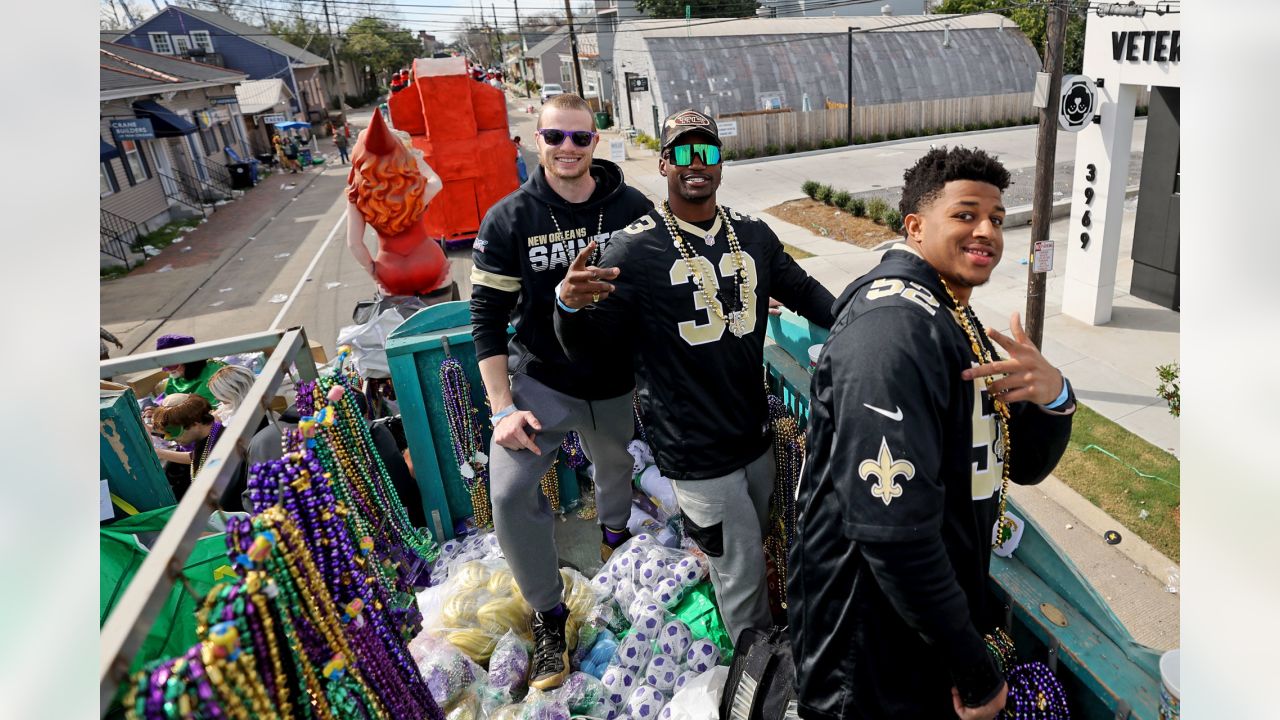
<point>217,39</point>
<point>165,127</point>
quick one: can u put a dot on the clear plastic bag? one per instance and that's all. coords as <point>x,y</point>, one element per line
<point>509,666</point>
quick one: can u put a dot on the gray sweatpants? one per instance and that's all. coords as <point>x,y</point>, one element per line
<point>522,517</point>
<point>728,517</point>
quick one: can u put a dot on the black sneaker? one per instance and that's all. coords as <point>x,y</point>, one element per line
<point>550,651</point>
<point>606,547</point>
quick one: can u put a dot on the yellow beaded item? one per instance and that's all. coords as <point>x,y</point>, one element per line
<point>735,320</point>
<point>986,354</point>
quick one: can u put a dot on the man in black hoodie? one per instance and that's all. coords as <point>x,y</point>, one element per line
<point>523,249</point>
<point>912,441</point>
<point>687,288</point>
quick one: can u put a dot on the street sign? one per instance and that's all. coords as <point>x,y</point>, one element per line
<point>274,118</point>
<point>727,128</point>
<point>1042,256</point>
<point>224,100</point>
<point>637,84</point>
<point>1077,104</point>
<point>133,129</point>
<point>617,151</point>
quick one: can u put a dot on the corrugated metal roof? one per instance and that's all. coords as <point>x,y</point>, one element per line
<point>256,96</point>
<point>257,35</point>
<point>111,79</point>
<point>735,73</point>
<point>722,27</point>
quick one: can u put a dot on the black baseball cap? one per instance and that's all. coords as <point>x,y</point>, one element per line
<point>683,122</point>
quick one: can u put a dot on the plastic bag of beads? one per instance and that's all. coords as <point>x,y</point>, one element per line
<point>543,706</point>
<point>645,703</point>
<point>507,712</point>
<point>602,617</point>
<point>448,673</point>
<point>580,692</point>
<point>509,665</point>
<point>600,654</point>
<point>465,707</point>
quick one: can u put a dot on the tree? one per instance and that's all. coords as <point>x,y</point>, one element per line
<point>117,14</point>
<point>1032,22</point>
<point>380,45</point>
<point>476,42</point>
<point>304,33</point>
<point>697,8</point>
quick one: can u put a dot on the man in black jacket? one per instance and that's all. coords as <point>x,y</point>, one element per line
<point>686,289</point>
<point>524,247</point>
<point>912,441</point>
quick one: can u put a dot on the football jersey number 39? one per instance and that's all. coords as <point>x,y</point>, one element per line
<point>694,332</point>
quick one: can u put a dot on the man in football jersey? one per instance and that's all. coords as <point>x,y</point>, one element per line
<point>685,288</point>
<point>916,426</point>
<point>525,245</point>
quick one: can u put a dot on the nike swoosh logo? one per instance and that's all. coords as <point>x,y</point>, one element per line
<point>895,416</point>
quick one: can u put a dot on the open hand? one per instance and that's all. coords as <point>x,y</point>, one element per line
<point>585,284</point>
<point>986,712</point>
<point>1027,374</point>
<point>510,432</point>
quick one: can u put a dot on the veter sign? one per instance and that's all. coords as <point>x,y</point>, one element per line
<point>1146,46</point>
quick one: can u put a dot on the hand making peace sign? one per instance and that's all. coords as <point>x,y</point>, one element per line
<point>584,284</point>
<point>1027,374</point>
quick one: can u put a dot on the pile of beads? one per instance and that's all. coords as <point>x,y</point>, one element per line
<point>788,448</point>
<point>1035,694</point>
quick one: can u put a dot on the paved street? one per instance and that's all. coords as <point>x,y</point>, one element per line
<point>278,258</point>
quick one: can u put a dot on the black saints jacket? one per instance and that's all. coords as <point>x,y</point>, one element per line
<point>523,249</point>
<point>701,388</point>
<point>887,588</point>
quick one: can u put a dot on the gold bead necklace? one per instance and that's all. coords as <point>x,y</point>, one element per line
<point>736,320</point>
<point>986,355</point>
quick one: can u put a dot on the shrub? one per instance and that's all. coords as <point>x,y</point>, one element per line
<point>876,209</point>
<point>893,219</point>
<point>810,188</point>
<point>841,199</point>
<point>858,206</point>
<point>893,136</point>
<point>770,150</point>
<point>749,152</point>
<point>1169,388</point>
<point>790,148</point>
<point>859,140</point>
<point>875,138</point>
<point>824,193</point>
<point>970,127</point>
<point>730,155</point>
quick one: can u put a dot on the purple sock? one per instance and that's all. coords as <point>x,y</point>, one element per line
<point>559,612</point>
<point>613,537</point>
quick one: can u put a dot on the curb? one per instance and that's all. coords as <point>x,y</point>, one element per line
<point>883,143</point>
<point>1096,520</point>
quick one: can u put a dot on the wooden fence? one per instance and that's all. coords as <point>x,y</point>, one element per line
<point>805,130</point>
<point>810,129</point>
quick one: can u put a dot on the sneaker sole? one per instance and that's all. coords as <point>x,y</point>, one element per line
<point>551,682</point>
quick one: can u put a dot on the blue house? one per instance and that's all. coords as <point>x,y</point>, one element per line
<point>217,39</point>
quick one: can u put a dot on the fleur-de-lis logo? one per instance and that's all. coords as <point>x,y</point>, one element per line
<point>885,469</point>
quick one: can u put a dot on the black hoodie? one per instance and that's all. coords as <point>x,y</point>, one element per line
<point>887,589</point>
<point>523,249</point>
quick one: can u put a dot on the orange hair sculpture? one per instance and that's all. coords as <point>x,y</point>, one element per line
<point>388,189</point>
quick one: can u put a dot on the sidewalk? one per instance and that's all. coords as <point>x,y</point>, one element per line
<point>135,306</point>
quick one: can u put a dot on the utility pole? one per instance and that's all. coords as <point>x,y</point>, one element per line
<point>573,47</point>
<point>849,75</point>
<point>524,85</point>
<point>497,36</point>
<point>333,58</point>
<point>1046,150</point>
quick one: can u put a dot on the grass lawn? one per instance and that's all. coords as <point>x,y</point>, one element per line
<point>163,237</point>
<point>1115,487</point>
<point>796,252</point>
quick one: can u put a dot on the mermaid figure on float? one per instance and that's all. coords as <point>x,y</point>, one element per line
<point>388,188</point>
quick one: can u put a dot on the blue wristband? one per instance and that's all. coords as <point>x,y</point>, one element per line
<point>564,307</point>
<point>1061,399</point>
<point>502,413</point>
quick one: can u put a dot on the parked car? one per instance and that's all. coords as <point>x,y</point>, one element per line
<point>551,90</point>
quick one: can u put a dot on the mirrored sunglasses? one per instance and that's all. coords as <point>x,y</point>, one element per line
<point>682,155</point>
<point>554,137</point>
